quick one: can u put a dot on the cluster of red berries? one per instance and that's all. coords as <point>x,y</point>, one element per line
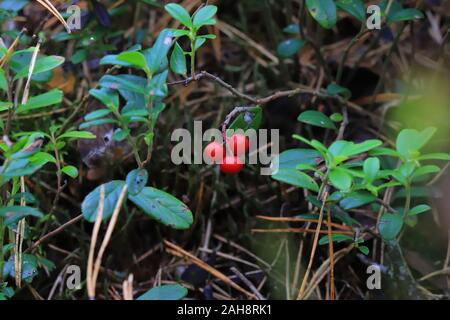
<point>230,164</point>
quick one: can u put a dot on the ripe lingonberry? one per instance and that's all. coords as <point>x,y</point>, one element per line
<point>214,151</point>
<point>231,165</point>
<point>238,144</point>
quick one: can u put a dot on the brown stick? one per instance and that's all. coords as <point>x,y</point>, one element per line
<point>298,219</point>
<point>173,248</point>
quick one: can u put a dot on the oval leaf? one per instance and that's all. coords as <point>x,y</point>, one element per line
<point>165,292</point>
<point>163,207</point>
<point>90,203</point>
<point>316,118</point>
<point>136,180</point>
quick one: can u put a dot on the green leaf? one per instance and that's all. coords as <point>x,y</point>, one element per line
<point>334,89</point>
<point>163,207</point>
<point>390,226</point>
<point>178,60</point>
<point>198,43</point>
<point>323,11</point>
<point>434,156</point>
<point>204,16</point>
<point>100,113</point>
<point>179,13</point>
<point>292,29</point>
<point>90,203</point>
<point>159,50</point>
<point>120,134</point>
<point>3,82</point>
<point>356,199</point>
<point>136,181</point>
<point>405,15</point>
<point>43,100</point>
<point>71,171</point>
<point>418,209</point>
<point>335,237</point>
<point>383,152</point>
<point>13,214</point>
<point>336,117</point>
<point>341,179</point>
<point>371,168</point>
<point>410,141</point>
<point>123,82</point>
<point>425,170</point>
<point>364,250</point>
<point>43,64</point>
<point>134,58</point>
<point>354,8</point>
<point>290,159</point>
<point>289,47</point>
<point>165,292</point>
<point>296,178</point>
<point>316,118</point>
<point>106,96</point>
<point>77,135</point>
<point>248,120</point>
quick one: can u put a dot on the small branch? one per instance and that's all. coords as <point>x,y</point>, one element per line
<point>54,232</point>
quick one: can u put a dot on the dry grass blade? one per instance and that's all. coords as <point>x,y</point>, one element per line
<point>331,255</point>
<point>98,221</point>
<point>11,48</point>
<point>183,253</point>
<point>48,5</point>
<point>297,219</point>
<point>299,230</point>
<point>313,250</point>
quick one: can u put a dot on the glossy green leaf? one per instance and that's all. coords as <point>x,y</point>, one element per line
<point>405,15</point>
<point>365,250</point>
<point>100,113</point>
<point>292,29</point>
<point>340,179</point>
<point>356,199</point>
<point>410,141</point>
<point>336,117</point>
<point>205,16</point>
<point>71,171</point>
<point>323,11</point>
<point>159,51</point>
<point>77,135</point>
<point>335,237</point>
<point>390,226</point>
<point>165,292</point>
<point>316,118</point>
<point>178,60</point>
<point>289,47</point>
<point>334,89</point>
<point>134,58</point>
<point>353,7</point>
<point>43,64</point>
<point>296,178</point>
<point>435,156</point>
<point>123,82</point>
<point>179,13</point>
<point>3,82</point>
<point>419,209</point>
<point>90,204</point>
<point>136,181</point>
<point>40,101</point>
<point>371,168</point>
<point>13,214</point>
<point>290,159</point>
<point>108,97</point>
<point>163,207</point>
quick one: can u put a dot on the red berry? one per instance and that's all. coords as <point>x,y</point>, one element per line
<point>231,165</point>
<point>214,152</point>
<point>238,144</point>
